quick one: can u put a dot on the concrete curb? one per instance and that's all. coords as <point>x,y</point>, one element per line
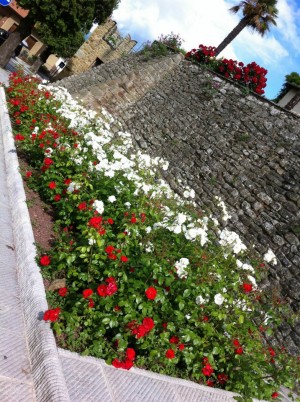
<point>48,377</point>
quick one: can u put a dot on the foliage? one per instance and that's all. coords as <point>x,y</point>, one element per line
<point>150,281</point>
<point>252,76</point>
<point>60,24</point>
<point>257,14</point>
<point>292,78</point>
<point>162,46</point>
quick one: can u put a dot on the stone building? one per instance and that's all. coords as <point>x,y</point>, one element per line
<point>291,100</point>
<point>105,44</point>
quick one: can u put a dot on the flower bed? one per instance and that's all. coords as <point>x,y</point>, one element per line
<point>149,280</point>
<point>251,75</point>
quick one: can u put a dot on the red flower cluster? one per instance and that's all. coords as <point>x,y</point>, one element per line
<point>142,329</point>
<point>51,315</point>
<point>109,289</point>
<point>96,223</point>
<point>128,362</point>
<point>207,370</point>
<point>203,54</point>
<point>252,75</point>
<point>238,348</point>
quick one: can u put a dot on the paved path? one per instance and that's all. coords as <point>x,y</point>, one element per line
<point>16,382</point>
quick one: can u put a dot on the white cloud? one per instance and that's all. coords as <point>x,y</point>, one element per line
<point>288,17</point>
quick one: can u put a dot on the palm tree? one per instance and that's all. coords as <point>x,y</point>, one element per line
<point>257,14</point>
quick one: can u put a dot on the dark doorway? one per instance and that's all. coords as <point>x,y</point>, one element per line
<point>96,63</point>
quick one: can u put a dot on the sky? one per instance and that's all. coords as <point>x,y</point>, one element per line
<point>278,51</point>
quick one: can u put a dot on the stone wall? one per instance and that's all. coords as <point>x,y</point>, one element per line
<point>104,44</point>
<point>221,141</point>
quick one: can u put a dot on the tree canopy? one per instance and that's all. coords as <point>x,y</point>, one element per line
<point>58,22</point>
<point>257,14</point>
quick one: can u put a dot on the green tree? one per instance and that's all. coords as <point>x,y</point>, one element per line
<point>292,78</point>
<point>257,14</point>
<point>57,21</point>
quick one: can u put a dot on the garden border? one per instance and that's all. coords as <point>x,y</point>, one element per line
<point>48,378</point>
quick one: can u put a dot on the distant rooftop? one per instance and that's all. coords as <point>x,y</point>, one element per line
<point>19,10</point>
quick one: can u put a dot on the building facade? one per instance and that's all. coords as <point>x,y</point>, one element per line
<point>291,100</point>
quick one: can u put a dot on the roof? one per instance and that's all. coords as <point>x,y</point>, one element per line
<point>19,10</point>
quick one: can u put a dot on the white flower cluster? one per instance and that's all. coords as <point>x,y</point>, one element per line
<point>99,206</point>
<point>73,186</point>
<point>219,299</point>
<point>232,241</point>
<point>181,266</point>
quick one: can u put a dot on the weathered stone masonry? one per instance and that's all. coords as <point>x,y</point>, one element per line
<point>219,140</point>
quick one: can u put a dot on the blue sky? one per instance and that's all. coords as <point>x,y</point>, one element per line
<point>278,51</point>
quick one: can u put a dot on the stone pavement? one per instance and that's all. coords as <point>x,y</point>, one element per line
<point>31,367</point>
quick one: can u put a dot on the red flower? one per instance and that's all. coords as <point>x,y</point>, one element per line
<point>133,219</point>
<point>148,323</point>
<point>109,249</point>
<point>18,121</point>
<point>117,363</point>
<point>91,303</point>
<point>110,221</point>
<point>102,290</point>
<point>210,383</point>
<point>207,370</point>
<point>28,174</point>
<point>48,161</point>
<point>57,197</point>
<point>170,354</point>
<point>52,184</point>
<point>239,351</point>
<point>67,181</point>
<point>236,343</point>
<point>63,292</point>
<point>222,378</point>
<point>87,293</point>
<point>19,137</point>
<point>127,364</point>
<point>51,315</point>
<point>275,395</point>
<point>271,351</point>
<point>151,293</point>
<point>95,222</point>
<point>247,287</point>
<point>181,346</point>
<point>174,339</point>
<point>45,260</point>
<point>82,206</point>
<point>130,354</point>
<point>123,258</point>
<point>111,289</point>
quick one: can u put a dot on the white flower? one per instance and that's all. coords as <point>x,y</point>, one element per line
<point>200,300</point>
<point>91,241</point>
<point>73,186</point>
<point>99,206</point>
<point>246,267</point>
<point>219,299</point>
<point>112,198</point>
<point>148,229</point>
<point>270,257</point>
<point>127,204</point>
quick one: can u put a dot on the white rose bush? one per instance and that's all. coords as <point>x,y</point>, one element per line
<point>150,280</point>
